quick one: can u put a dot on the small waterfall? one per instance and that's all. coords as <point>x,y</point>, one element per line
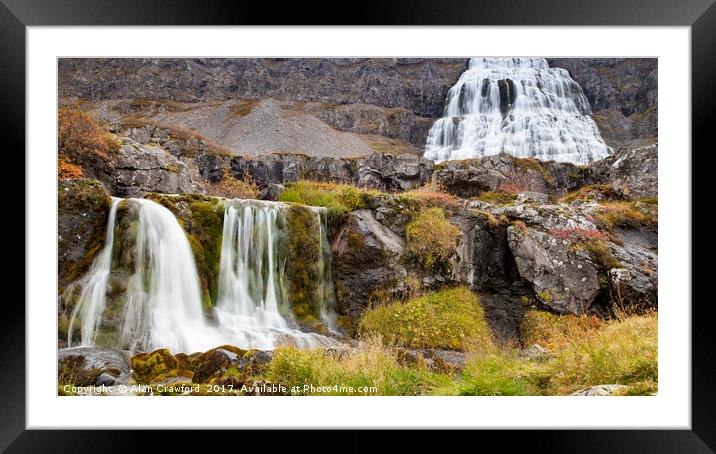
<point>251,294</point>
<point>93,285</point>
<point>520,106</point>
<point>161,305</point>
<point>163,299</point>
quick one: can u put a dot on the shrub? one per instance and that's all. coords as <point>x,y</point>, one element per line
<point>242,107</point>
<point>68,171</point>
<point>431,195</point>
<point>339,199</point>
<point>79,134</point>
<point>450,318</point>
<point>231,188</point>
<point>432,239</point>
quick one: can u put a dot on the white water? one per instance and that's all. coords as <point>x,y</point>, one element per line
<point>162,305</point>
<point>251,287</point>
<point>91,302</point>
<point>520,106</point>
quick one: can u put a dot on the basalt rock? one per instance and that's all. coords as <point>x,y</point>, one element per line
<point>380,171</point>
<point>505,173</point>
<point>366,259</point>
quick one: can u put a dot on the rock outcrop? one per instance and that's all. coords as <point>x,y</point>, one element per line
<point>417,84</point>
<point>83,208</point>
<point>366,259</point>
<point>380,171</point>
<point>140,169</point>
<point>633,170</point>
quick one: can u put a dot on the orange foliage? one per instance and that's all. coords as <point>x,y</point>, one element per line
<point>231,188</point>
<point>78,134</point>
<point>68,171</point>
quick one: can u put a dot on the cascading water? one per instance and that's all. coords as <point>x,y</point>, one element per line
<point>162,305</point>
<point>93,285</point>
<point>520,106</point>
<point>251,294</point>
<point>163,298</point>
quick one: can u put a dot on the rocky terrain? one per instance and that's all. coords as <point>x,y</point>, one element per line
<point>576,242</point>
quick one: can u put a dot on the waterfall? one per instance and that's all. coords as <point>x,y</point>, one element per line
<point>161,306</point>
<point>520,106</point>
<point>91,302</point>
<point>251,293</point>
<point>163,298</point>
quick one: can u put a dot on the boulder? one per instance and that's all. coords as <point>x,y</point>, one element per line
<point>140,169</point>
<point>601,390</point>
<point>632,170</point>
<point>366,259</point>
<point>564,279</point>
<point>505,173</point>
<point>215,362</point>
<point>87,366</point>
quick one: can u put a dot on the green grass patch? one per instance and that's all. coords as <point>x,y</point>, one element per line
<point>339,199</point>
<point>450,318</point>
<point>432,239</point>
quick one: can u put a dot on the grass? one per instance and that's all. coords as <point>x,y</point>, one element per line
<point>338,199</point>
<point>496,198</point>
<point>584,352</point>
<point>370,370</point>
<point>432,239</point>
<point>591,192</point>
<point>626,214</point>
<point>555,332</point>
<point>449,318</point>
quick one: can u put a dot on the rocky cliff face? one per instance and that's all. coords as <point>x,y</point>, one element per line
<point>417,84</point>
<point>398,98</point>
<point>622,93</point>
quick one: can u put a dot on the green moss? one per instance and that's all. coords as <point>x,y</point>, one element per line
<point>545,296</point>
<point>147,367</point>
<point>497,198</point>
<point>338,199</point>
<point>531,164</point>
<point>304,256</point>
<point>450,318</point>
<point>599,252</point>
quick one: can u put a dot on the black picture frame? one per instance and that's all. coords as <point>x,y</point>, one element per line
<point>700,15</point>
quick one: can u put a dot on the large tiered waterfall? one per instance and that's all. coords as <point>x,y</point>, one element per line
<point>161,306</point>
<point>520,106</point>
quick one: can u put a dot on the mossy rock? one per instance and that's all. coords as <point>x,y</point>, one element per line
<point>147,367</point>
<point>213,363</point>
<point>83,207</point>
<point>304,257</point>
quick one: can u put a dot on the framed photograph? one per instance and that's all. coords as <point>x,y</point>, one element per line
<point>446,221</point>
